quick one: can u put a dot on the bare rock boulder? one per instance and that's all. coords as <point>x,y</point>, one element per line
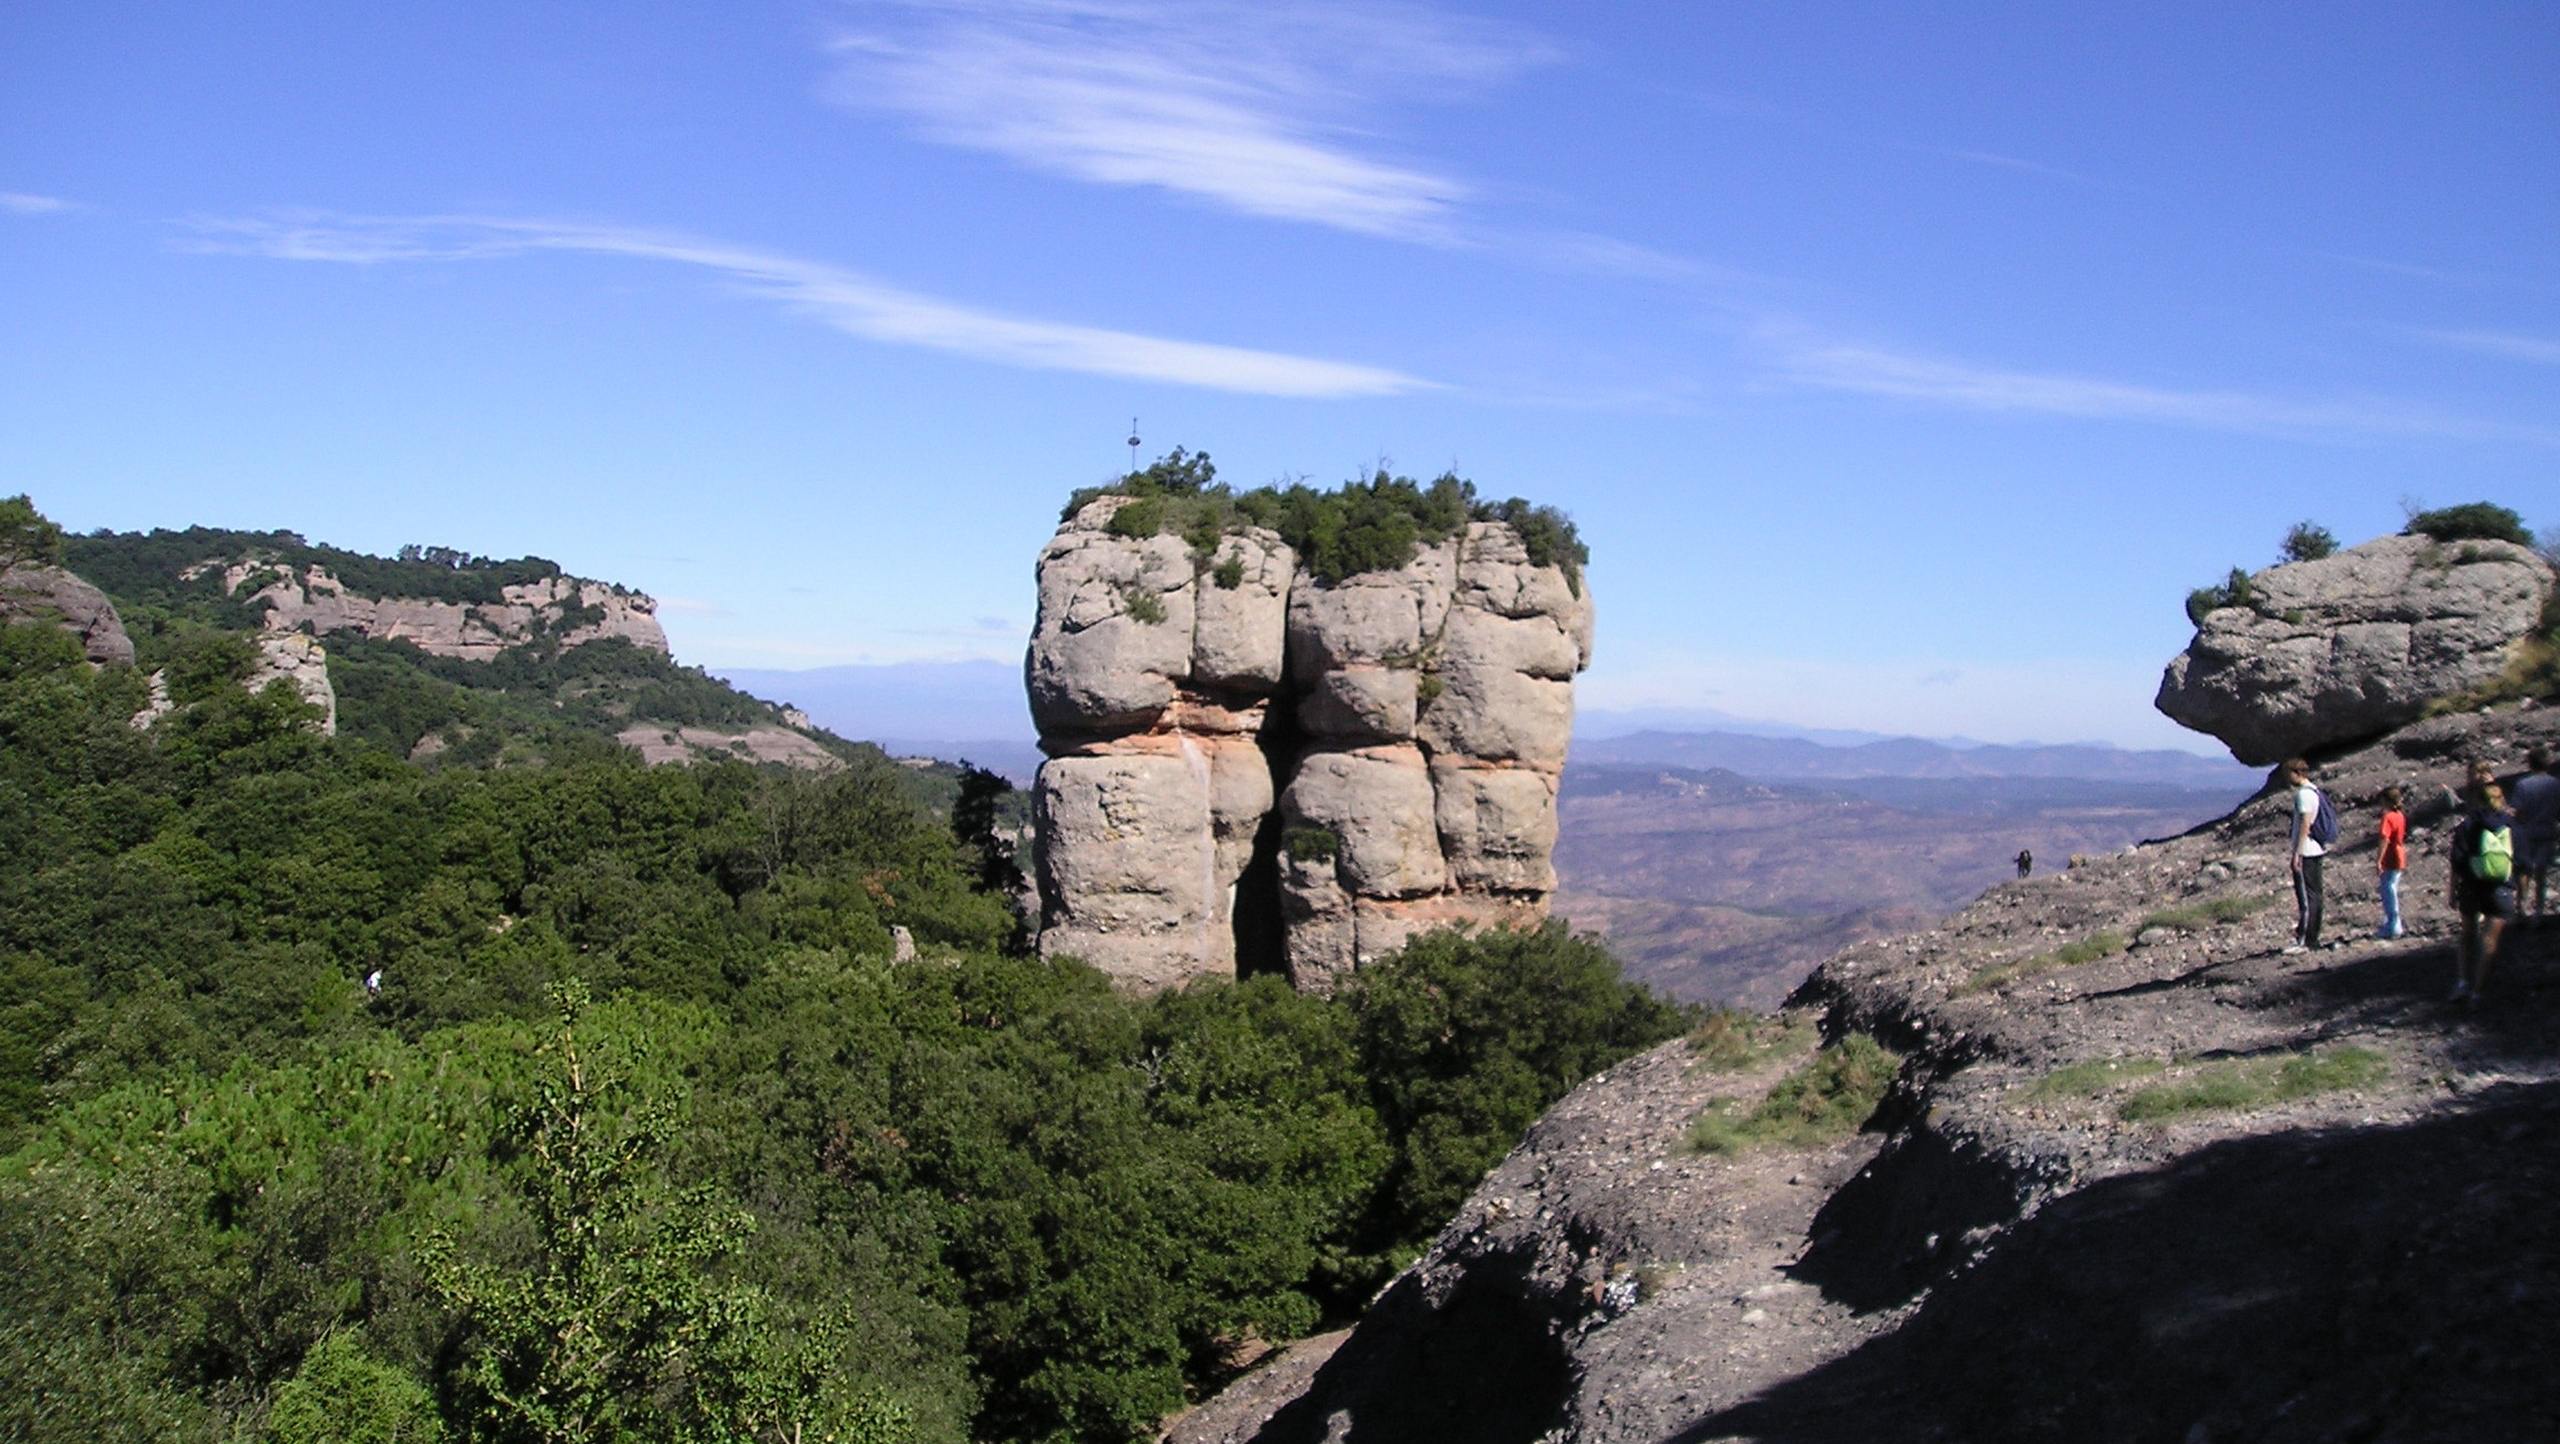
<point>1377,802</point>
<point>1241,640</point>
<point>1497,826</point>
<point>1113,640</point>
<point>34,592</point>
<point>2354,644</point>
<point>1129,866</point>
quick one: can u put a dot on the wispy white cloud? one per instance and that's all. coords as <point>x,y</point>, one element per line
<point>19,203</point>
<point>1939,381</point>
<point>2009,162</point>
<point>852,303</point>
<point>1255,107</point>
<point>2507,344</point>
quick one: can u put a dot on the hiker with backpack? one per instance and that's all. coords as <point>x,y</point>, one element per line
<point>2315,826</point>
<point>2483,886</point>
<point>2537,809</point>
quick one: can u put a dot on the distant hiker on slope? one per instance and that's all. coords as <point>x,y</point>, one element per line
<point>2315,826</point>
<point>2483,889</point>
<point>2537,808</point>
<point>2391,858</point>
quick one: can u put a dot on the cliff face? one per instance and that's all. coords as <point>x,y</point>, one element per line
<point>568,609</point>
<point>1251,769</point>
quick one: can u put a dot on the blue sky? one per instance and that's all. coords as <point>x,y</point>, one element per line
<point>1903,365</point>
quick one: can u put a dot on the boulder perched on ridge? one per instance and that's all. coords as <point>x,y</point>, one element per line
<point>2325,652</point>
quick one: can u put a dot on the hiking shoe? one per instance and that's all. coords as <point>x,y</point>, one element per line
<point>2461,993</point>
<point>2291,948</point>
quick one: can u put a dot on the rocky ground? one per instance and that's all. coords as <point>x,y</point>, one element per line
<point>2006,1254</point>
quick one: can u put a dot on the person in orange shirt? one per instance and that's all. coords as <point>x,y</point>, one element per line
<point>2392,856</point>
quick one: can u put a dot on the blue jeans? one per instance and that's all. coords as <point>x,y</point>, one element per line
<point>2391,903</point>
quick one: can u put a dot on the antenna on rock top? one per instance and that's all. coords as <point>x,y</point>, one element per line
<point>1133,443</point>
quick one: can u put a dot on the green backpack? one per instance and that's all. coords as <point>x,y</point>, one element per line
<point>2493,859</point>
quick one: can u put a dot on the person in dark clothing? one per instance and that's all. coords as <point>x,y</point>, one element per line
<point>2307,855</point>
<point>2485,897</point>
<point>2537,809</point>
<point>2026,862</point>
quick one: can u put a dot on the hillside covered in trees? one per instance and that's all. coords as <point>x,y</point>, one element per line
<point>523,1092</point>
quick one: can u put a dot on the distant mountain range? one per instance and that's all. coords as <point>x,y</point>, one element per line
<point>1795,758</point>
<point>977,711</point>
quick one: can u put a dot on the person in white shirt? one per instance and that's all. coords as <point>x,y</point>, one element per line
<point>2307,855</point>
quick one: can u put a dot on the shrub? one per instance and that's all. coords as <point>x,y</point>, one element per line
<point>1229,574</point>
<point>26,534</point>
<point>2308,541</point>
<point>2471,521</point>
<point>1468,1036</point>
<point>1826,1099</point>
<point>1311,844</point>
<point>343,1395</point>
<point>1143,606</point>
<point>1732,1041</point>
<point>1370,524</point>
<point>2234,591</point>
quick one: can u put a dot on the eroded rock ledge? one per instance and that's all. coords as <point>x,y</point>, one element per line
<point>2009,1253</point>
<point>1250,769</point>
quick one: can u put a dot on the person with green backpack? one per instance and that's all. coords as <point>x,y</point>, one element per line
<point>2483,884</point>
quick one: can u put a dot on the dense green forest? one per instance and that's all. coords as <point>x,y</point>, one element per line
<point>643,1134</point>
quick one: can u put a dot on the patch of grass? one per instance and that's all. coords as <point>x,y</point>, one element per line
<point>1733,1041</point>
<point>2196,916</point>
<point>1311,844</point>
<point>2105,943</point>
<point>2089,1079</point>
<point>1826,1099</point>
<point>2239,1083</point>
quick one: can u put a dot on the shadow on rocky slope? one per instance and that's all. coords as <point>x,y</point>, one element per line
<point>2395,1283</point>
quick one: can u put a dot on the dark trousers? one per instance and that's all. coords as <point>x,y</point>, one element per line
<point>2306,903</point>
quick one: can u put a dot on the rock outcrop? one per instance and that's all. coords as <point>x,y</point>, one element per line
<point>1250,769</point>
<point>2352,645</point>
<point>32,591</point>
<point>2173,1184</point>
<point>294,658</point>
<point>567,609</point>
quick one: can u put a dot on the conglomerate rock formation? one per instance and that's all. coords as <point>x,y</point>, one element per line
<point>33,591</point>
<point>572,610</point>
<point>1252,770</point>
<point>2347,647</point>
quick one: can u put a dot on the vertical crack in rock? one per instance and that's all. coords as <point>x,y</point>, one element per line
<point>1251,771</point>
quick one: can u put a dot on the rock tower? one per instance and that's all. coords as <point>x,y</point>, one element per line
<point>1252,770</point>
